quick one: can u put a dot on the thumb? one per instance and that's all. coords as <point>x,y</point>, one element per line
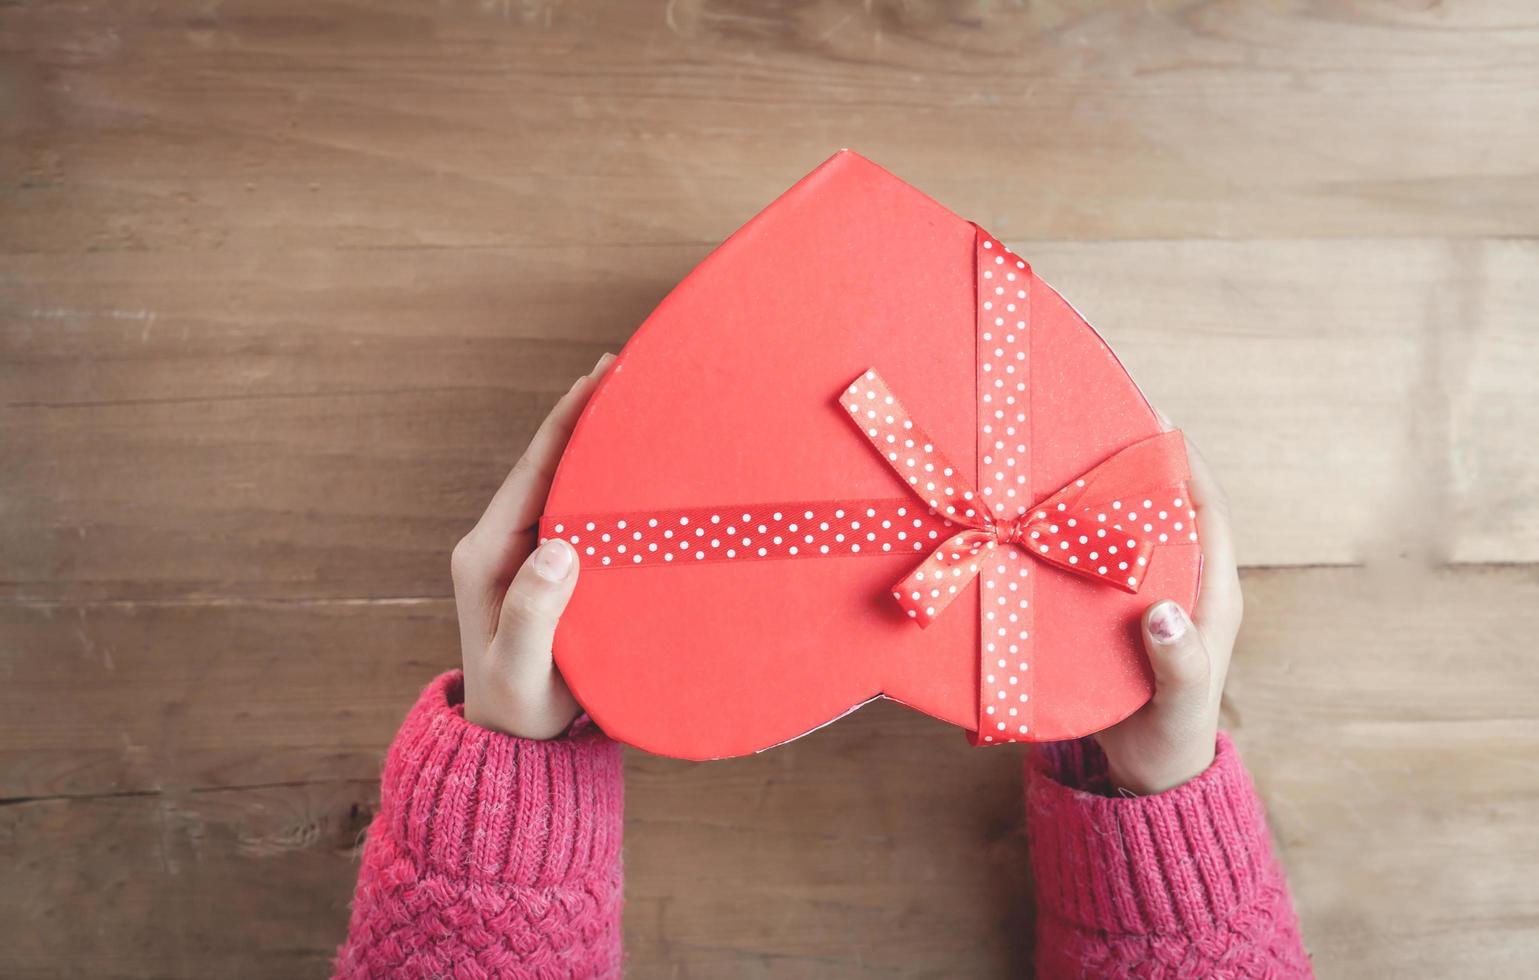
<point>1182,668</point>
<point>537,597</point>
<point>537,702</point>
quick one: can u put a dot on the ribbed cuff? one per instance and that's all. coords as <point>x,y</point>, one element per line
<point>1181,861</point>
<point>469,802</point>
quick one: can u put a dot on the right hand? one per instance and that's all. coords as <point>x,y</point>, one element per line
<point>509,595</point>
<point>1171,740</point>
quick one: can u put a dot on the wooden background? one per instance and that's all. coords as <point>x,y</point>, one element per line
<point>285,285</point>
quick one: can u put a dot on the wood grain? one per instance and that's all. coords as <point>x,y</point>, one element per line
<point>212,882</point>
<point>1388,716</point>
<point>285,286</point>
<point>373,403</point>
<point>1392,740</point>
<point>190,128</point>
<point>173,697</point>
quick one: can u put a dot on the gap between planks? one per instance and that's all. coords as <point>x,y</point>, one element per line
<point>126,602</point>
<point>180,791</point>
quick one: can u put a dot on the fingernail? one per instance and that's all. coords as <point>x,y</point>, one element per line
<point>603,362</point>
<point>553,560</point>
<point>1167,623</point>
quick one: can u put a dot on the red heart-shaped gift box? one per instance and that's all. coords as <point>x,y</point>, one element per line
<point>748,554</point>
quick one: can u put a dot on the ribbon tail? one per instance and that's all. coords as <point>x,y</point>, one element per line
<point>1121,568</point>
<point>910,451</point>
<point>926,591</point>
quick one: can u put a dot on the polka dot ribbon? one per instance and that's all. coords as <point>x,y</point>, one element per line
<point>1103,526</point>
<point>797,529</point>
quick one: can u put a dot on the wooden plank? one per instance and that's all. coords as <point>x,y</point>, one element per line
<point>145,698</point>
<point>1359,400</point>
<point>1486,378</point>
<point>326,425</point>
<point>281,125</point>
<point>227,883</point>
<point>1389,717</point>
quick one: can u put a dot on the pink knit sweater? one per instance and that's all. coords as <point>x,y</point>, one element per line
<point>493,856</point>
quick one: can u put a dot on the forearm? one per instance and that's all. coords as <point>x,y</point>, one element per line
<point>1183,883</point>
<point>489,851</point>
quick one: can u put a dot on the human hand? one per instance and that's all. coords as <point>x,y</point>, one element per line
<point>509,595</point>
<point>1171,739</point>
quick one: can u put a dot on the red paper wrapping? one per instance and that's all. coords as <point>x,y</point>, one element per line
<point>749,556</point>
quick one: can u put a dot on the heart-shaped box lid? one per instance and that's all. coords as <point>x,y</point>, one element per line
<point>723,412</point>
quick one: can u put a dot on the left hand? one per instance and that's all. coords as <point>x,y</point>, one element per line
<point>510,595</point>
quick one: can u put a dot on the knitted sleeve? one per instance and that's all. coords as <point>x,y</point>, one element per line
<point>1181,884</point>
<point>490,855</point>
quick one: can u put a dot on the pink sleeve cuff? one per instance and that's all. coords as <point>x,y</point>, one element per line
<point>1182,861</point>
<point>468,802</point>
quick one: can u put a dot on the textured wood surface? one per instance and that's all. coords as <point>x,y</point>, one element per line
<point>285,286</point>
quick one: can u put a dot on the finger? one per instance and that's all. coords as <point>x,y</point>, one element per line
<point>537,596</point>
<point>1212,508</point>
<point>486,558</point>
<point>518,502</point>
<point>1219,603</point>
<point>526,631</point>
<point>1209,501</point>
<point>1182,667</point>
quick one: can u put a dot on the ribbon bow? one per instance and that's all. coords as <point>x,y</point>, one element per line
<point>1102,526</point>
